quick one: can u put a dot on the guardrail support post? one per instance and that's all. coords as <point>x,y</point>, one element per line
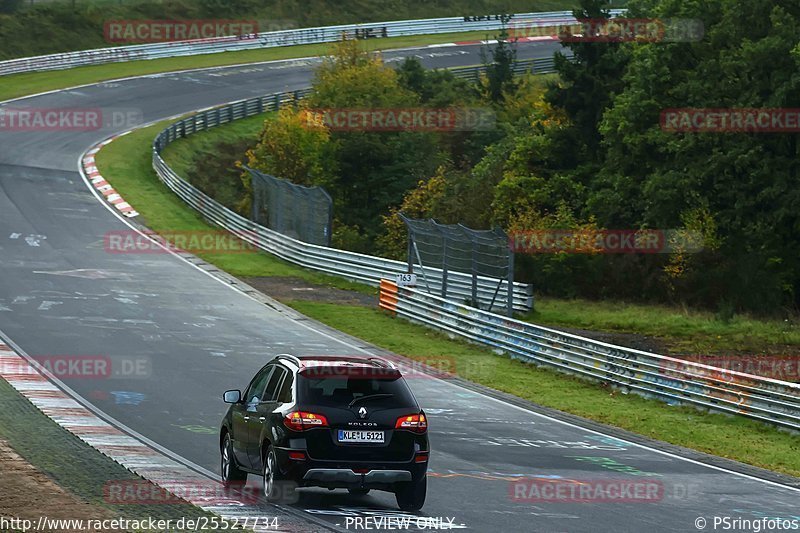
<point>410,256</point>
<point>510,302</point>
<point>474,267</point>
<point>255,197</point>
<point>444,266</point>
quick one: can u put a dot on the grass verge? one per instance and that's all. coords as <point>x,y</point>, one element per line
<point>126,164</point>
<point>685,331</point>
<point>183,153</point>
<point>31,83</point>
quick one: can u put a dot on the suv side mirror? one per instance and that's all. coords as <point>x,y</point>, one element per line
<point>232,396</point>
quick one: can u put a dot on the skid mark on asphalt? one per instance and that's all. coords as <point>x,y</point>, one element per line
<point>204,430</point>
<point>86,273</point>
<point>496,476</point>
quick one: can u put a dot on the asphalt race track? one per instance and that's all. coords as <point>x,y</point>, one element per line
<point>62,294</point>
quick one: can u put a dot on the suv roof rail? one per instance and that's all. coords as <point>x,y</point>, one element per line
<point>375,360</point>
<point>288,357</point>
<point>381,361</point>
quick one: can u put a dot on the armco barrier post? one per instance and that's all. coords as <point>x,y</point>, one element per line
<point>510,303</point>
<point>444,266</point>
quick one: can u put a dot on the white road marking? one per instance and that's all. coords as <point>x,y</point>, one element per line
<point>35,240</point>
<point>47,305</point>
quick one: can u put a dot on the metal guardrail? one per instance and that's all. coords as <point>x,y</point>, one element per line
<point>279,38</point>
<point>655,376</point>
<point>533,66</point>
<point>350,265</point>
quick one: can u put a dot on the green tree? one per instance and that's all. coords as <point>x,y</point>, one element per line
<point>748,182</point>
<point>435,88</point>
<point>294,147</point>
<point>587,83</point>
<point>375,169</point>
<point>499,78</point>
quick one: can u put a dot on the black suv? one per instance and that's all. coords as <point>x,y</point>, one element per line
<point>327,421</point>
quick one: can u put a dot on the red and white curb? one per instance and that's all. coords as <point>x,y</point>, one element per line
<point>126,450</point>
<point>99,183</point>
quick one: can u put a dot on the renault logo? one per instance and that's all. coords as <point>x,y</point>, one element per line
<point>362,413</point>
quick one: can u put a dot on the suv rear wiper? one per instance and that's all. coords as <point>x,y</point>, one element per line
<point>370,397</point>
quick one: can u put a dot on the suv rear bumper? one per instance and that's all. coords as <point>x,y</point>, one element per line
<point>348,478</point>
<point>349,475</point>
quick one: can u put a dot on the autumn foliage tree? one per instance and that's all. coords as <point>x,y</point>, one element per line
<point>365,172</point>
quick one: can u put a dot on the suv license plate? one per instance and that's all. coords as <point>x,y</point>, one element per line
<point>347,435</point>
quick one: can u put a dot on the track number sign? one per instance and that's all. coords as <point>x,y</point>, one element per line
<point>406,280</point>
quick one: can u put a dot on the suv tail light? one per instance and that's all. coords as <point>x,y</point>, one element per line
<point>301,420</point>
<point>416,423</point>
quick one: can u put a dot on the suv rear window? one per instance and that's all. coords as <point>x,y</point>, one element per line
<point>339,391</point>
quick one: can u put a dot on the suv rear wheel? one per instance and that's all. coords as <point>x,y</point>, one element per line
<point>410,495</point>
<point>275,487</point>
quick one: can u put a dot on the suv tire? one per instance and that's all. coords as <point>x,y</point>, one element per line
<point>275,487</point>
<point>410,495</point>
<point>231,473</point>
